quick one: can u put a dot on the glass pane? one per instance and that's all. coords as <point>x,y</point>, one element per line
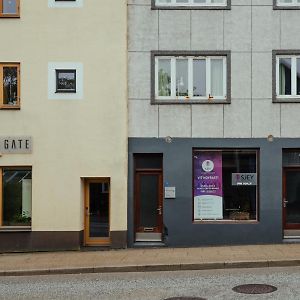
<point>66,80</point>
<point>293,197</point>
<point>182,77</point>
<point>217,77</point>
<point>225,184</point>
<point>99,209</point>
<point>285,83</point>
<point>182,1</point>
<point>9,6</point>
<point>298,76</point>
<point>199,71</point>
<point>163,1</point>
<point>148,161</point>
<point>291,158</point>
<point>164,77</point>
<point>10,85</point>
<point>148,200</point>
<point>16,197</point>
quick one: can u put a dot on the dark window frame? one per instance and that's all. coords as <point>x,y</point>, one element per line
<point>161,53</point>
<point>71,71</point>
<point>225,7</point>
<point>227,221</point>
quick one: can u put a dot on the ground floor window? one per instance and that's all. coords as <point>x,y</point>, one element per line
<point>225,184</point>
<point>15,196</point>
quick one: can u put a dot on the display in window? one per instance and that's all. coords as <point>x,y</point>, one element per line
<point>66,81</point>
<point>225,185</point>
<point>208,191</point>
<point>16,197</point>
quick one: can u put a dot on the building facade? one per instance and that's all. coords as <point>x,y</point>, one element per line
<point>214,135</point>
<point>63,119</point>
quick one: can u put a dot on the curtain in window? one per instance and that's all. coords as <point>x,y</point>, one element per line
<point>281,79</point>
<point>217,77</point>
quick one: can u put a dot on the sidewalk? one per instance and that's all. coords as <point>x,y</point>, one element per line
<point>140,260</point>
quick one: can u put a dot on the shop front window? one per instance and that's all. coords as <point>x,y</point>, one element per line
<point>225,185</point>
<point>16,196</point>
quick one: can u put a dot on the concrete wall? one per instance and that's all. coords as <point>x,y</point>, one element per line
<point>71,138</point>
<point>250,30</point>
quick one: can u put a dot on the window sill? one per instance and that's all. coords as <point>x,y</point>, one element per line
<point>15,229</point>
<point>278,7</point>
<point>190,7</point>
<point>190,101</point>
<point>9,16</point>
<point>10,107</point>
<point>226,222</point>
<point>286,100</point>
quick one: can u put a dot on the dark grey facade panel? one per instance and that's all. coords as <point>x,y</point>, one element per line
<point>178,171</point>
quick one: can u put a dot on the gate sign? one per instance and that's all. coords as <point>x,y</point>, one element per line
<point>208,189</point>
<point>16,144</point>
<point>244,178</point>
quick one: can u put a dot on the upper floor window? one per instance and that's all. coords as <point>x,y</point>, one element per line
<point>10,8</point>
<point>194,4</point>
<point>286,4</point>
<point>199,77</point>
<point>287,69</point>
<point>9,85</point>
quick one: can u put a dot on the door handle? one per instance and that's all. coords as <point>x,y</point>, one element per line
<point>159,210</point>
<point>87,211</point>
<point>285,202</point>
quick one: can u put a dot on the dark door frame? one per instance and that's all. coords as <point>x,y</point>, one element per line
<point>285,225</point>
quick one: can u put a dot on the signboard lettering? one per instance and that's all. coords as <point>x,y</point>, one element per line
<point>18,145</point>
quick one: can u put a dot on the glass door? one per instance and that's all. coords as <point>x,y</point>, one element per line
<point>291,198</point>
<point>97,199</point>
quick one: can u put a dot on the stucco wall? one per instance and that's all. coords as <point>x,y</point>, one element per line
<point>71,138</point>
<point>250,30</point>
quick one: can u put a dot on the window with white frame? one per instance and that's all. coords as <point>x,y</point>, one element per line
<point>288,2</point>
<point>191,2</point>
<point>288,76</point>
<point>197,78</point>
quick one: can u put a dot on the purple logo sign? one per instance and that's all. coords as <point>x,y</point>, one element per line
<point>208,173</point>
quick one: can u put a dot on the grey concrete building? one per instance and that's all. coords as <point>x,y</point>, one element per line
<point>214,147</point>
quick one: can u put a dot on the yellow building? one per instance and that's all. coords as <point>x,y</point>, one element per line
<point>63,124</point>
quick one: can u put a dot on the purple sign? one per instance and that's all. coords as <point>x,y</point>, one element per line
<point>208,191</point>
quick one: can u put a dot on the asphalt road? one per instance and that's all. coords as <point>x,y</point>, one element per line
<point>214,284</point>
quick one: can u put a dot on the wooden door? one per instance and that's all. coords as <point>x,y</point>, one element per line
<point>148,202</point>
<point>97,212</point>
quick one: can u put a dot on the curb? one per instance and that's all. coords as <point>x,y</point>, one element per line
<point>155,268</point>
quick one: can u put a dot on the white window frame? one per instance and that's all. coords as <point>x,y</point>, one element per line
<point>191,3</point>
<point>190,96</point>
<point>293,77</point>
<point>294,3</point>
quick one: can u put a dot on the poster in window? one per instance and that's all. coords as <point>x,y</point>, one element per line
<point>208,189</point>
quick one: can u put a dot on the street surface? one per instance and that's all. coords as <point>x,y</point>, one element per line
<point>212,284</point>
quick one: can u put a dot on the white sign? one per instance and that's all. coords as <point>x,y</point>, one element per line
<point>170,192</point>
<point>208,207</point>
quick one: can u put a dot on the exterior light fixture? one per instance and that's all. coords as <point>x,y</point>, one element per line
<point>168,139</point>
<point>270,138</point>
